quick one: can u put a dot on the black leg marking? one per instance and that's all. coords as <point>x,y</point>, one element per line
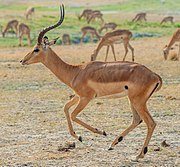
<point>104,133</point>
<point>80,138</point>
<point>126,87</point>
<point>120,139</point>
<point>140,121</point>
<point>145,150</point>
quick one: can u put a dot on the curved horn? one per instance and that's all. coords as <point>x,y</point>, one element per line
<point>41,34</point>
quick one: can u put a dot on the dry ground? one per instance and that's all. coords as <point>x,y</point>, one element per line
<point>33,124</point>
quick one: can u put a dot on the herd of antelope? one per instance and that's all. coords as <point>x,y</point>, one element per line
<point>98,79</point>
<point>20,29</point>
<point>112,35</point>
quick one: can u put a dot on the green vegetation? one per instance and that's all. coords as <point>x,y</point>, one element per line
<point>44,16</point>
<point>144,5</point>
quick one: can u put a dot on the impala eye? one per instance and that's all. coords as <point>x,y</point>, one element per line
<point>36,50</point>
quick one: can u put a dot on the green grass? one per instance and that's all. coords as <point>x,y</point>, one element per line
<point>143,5</point>
<point>72,25</point>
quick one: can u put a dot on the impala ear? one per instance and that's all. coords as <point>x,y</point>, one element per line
<point>45,41</point>
<point>53,41</point>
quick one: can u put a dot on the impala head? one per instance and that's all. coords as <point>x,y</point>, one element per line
<point>42,48</point>
<point>93,56</point>
<point>165,52</point>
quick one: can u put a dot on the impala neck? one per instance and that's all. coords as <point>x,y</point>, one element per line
<point>64,72</point>
<point>171,42</point>
<point>100,45</point>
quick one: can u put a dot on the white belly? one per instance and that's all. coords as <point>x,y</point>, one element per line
<point>108,90</point>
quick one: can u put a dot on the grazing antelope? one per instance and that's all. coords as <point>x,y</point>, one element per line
<point>24,30</point>
<point>66,39</point>
<point>29,12</point>
<point>85,14</point>
<point>175,38</point>
<point>100,79</point>
<point>13,24</point>
<point>139,17</point>
<point>112,37</point>
<point>91,30</point>
<point>167,19</point>
<point>107,26</point>
<point>96,14</point>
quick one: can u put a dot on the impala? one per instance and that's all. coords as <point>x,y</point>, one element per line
<point>107,26</point>
<point>175,38</point>
<point>90,30</point>
<point>96,14</point>
<point>13,24</point>
<point>112,37</point>
<point>100,79</point>
<point>24,30</point>
<point>29,12</point>
<point>139,17</point>
<point>85,14</point>
<point>66,39</point>
<point>167,19</point>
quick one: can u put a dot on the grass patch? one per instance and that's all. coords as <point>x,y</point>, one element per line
<point>73,26</point>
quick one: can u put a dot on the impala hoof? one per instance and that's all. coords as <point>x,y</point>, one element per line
<point>80,138</point>
<point>110,148</point>
<point>104,133</point>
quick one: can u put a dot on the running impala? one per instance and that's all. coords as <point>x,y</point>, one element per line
<point>100,79</point>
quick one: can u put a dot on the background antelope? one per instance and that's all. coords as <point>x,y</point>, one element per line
<point>85,14</point>
<point>91,30</point>
<point>24,30</point>
<point>167,19</point>
<point>140,17</point>
<point>66,39</point>
<point>13,25</point>
<point>175,38</point>
<point>100,79</point>
<point>112,37</point>
<point>96,14</point>
<point>107,26</point>
<point>29,12</point>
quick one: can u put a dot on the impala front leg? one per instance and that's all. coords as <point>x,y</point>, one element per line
<point>81,105</point>
<point>67,106</point>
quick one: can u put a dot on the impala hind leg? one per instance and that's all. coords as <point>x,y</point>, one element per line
<point>132,50</point>
<point>147,118</point>
<point>83,35</point>
<point>20,40</point>
<point>81,105</point>
<point>136,121</point>
<point>67,106</point>
<point>126,50</point>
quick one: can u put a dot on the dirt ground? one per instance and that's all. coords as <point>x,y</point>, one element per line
<point>33,124</point>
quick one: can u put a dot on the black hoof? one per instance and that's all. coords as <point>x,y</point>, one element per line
<point>80,138</point>
<point>110,148</point>
<point>104,133</point>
